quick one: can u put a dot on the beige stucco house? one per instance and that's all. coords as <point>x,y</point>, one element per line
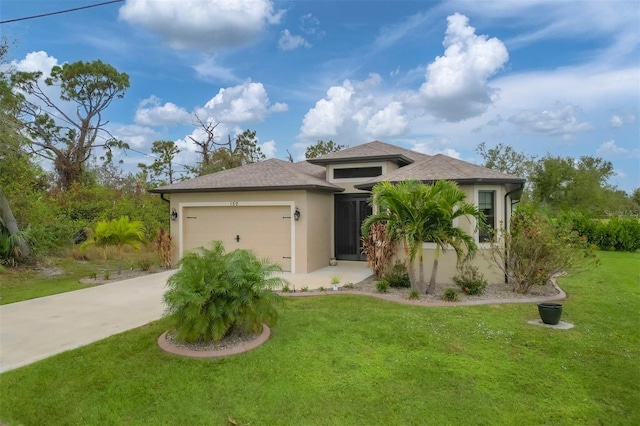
<point>301,215</point>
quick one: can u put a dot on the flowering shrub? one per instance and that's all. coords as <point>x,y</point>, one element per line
<point>535,249</point>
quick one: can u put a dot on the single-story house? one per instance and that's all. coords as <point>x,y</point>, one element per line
<point>301,215</point>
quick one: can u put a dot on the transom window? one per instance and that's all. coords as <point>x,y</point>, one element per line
<point>357,172</point>
<point>487,205</point>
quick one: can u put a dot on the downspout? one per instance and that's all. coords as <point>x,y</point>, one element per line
<point>508,194</point>
<point>164,199</point>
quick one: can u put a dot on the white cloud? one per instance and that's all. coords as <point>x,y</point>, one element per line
<point>279,107</point>
<point>151,112</point>
<point>268,148</point>
<point>389,121</point>
<point>610,149</point>
<point>613,23</point>
<point>622,118</point>
<point>310,25</point>
<point>245,103</point>
<point>36,61</point>
<point>456,83</point>
<point>329,113</point>
<point>353,112</point>
<point>289,41</point>
<point>202,24</point>
<point>435,146</point>
<point>140,137</point>
<point>210,70</point>
<point>560,120</point>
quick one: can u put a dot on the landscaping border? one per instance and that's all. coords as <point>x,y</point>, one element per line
<point>557,297</point>
<point>168,347</point>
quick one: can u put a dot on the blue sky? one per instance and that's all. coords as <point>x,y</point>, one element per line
<point>558,77</point>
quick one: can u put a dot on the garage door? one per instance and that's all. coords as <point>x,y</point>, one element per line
<point>266,230</point>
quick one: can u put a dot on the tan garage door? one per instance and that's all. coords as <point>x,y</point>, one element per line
<point>264,229</point>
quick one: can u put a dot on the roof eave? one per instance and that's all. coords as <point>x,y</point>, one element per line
<point>246,188</point>
<point>367,186</point>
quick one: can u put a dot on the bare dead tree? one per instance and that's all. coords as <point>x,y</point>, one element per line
<point>207,146</point>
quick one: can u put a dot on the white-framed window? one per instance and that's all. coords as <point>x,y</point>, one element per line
<point>487,205</point>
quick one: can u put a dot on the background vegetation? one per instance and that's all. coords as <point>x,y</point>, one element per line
<point>57,175</point>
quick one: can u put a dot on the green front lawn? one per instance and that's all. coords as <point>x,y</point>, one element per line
<point>356,360</point>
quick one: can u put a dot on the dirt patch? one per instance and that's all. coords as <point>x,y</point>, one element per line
<point>49,271</point>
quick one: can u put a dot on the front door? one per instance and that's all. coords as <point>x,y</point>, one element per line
<point>350,211</point>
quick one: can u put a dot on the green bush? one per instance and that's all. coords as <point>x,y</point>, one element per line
<point>582,224</point>
<point>215,293</point>
<point>470,279</point>
<point>397,276</point>
<point>382,286</point>
<point>145,263</point>
<point>450,295</point>
<point>620,234</point>
<point>536,248</point>
<point>414,295</point>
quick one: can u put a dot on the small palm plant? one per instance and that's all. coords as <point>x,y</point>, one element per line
<point>117,233</point>
<point>215,293</point>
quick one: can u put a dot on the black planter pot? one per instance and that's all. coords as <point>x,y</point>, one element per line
<point>550,313</point>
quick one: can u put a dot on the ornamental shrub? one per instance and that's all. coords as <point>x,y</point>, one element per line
<point>536,248</point>
<point>450,295</point>
<point>397,276</point>
<point>382,286</point>
<point>470,279</point>
<point>215,293</point>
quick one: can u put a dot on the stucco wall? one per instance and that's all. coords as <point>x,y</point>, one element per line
<point>319,231</point>
<point>348,184</point>
<point>447,266</point>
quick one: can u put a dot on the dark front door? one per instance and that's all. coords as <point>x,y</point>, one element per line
<point>350,211</point>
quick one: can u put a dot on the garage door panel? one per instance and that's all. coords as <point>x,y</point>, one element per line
<point>266,230</point>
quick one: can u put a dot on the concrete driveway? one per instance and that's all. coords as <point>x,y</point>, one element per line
<point>39,328</point>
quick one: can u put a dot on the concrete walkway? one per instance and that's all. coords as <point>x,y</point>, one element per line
<point>39,328</point>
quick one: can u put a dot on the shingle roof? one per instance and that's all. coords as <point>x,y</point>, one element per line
<point>371,151</point>
<point>272,174</point>
<point>441,167</point>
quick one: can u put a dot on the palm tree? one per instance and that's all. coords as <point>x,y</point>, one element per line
<point>415,213</point>
<point>215,293</point>
<point>117,233</point>
<point>451,204</point>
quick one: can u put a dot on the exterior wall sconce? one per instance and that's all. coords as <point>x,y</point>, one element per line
<point>174,214</point>
<point>296,214</point>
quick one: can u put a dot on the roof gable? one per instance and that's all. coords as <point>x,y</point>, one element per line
<point>442,167</point>
<point>371,151</point>
<point>271,174</point>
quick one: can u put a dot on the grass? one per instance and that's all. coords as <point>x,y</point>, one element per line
<point>358,360</point>
<point>23,284</point>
